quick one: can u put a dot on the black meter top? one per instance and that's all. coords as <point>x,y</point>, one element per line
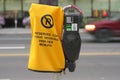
<point>73,18</point>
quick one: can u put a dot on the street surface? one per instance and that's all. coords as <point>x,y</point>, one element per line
<point>88,68</point>
<point>97,61</point>
<point>20,43</point>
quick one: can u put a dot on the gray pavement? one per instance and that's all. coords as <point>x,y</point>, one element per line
<point>20,38</point>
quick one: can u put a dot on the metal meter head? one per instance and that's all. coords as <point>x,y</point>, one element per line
<point>73,18</point>
<point>71,38</point>
<point>72,10</point>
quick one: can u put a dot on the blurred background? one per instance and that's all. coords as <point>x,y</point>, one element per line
<point>100,52</point>
<point>15,11</point>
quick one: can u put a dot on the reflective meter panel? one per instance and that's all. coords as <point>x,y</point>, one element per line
<point>72,10</point>
<point>73,18</point>
<point>71,23</point>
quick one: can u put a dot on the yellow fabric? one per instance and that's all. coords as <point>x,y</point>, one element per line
<point>46,53</point>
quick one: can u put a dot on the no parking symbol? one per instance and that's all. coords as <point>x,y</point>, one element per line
<point>47,21</point>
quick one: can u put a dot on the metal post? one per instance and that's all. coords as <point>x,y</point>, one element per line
<point>4,7</point>
<point>74,2</point>
<point>49,2</point>
<point>109,7</point>
<point>57,76</point>
<point>92,7</point>
<point>22,7</point>
<point>53,3</point>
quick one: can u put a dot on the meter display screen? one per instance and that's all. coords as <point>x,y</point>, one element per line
<point>71,10</point>
<point>71,27</point>
<point>70,24</point>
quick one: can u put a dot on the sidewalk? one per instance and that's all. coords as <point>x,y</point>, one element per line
<point>15,31</point>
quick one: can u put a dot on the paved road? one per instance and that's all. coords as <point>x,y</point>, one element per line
<point>88,68</point>
<point>98,61</point>
<point>20,43</point>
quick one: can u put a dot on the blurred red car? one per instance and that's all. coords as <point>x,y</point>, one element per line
<point>105,29</point>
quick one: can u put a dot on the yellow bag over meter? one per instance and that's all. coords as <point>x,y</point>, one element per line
<point>46,53</point>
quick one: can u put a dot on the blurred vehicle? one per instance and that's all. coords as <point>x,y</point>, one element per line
<point>105,29</point>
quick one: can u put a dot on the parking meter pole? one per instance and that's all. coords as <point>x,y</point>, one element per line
<point>49,2</point>
<point>46,38</point>
<point>58,76</point>
<point>74,2</point>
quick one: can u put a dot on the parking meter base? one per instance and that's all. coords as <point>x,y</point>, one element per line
<point>71,66</point>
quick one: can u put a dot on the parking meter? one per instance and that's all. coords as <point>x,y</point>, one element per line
<point>71,38</point>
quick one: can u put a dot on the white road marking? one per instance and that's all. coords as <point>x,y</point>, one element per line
<point>4,79</point>
<point>98,53</point>
<point>81,54</point>
<point>13,55</point>
<point>13,47</point>
<point>15,38</point>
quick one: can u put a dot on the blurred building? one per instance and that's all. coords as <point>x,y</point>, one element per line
<point>95,8</point>
<point>14,11</point>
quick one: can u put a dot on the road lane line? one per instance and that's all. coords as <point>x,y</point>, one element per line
<point>4,79</point>
<point>81,54</point>
<point>13,47</point>
<point>15,38</point>
<point>98,53</point>
<point>13,55</point>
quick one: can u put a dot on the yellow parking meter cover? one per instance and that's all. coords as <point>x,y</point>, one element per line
<point>46,53</point>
